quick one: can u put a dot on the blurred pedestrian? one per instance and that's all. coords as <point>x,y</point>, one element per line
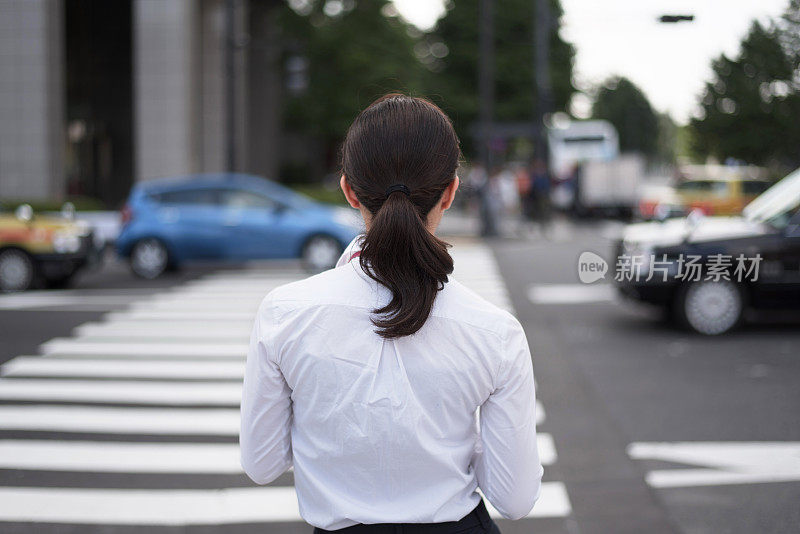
<point>539,202</point>
<point>508,195</point>
<point>367,377</point>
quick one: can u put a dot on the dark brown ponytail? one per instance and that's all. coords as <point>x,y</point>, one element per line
<point>409,141</point>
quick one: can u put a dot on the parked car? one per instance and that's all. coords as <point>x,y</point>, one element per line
<point>767,234</point>
<point>169,222</point>
<point>719,196</point>
<point>38,248</point>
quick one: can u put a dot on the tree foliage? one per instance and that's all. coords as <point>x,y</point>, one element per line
<point>352,56</point>
<point>750,110</point>
<point>624,105</point>
<point>455,84</point>
<point>362,50</point>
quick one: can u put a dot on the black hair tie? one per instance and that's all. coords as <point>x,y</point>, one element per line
<point>398,187</point>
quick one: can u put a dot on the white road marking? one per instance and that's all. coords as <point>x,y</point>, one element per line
<point>42,366</point>
<point>547,448</point>
<point>212,300</point>
<point>24,301</point>
<point>722,462</point>
<point>188,507</point>
<point>70,346</point>
<point>183,315</point>
<point>121,457</point>
<point>118,391</point>
<point>121,420</point>
<point>476,268</point>
<point>252,276</point>
<point>214,305</point>
<point>116,457</point>
<point>149,506</point>
<point>553,502</point>
<point>168,329</point>
<point>175,336</point>
<point>570,293</point>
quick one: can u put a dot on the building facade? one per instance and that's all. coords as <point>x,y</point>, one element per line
<point>96,95</point>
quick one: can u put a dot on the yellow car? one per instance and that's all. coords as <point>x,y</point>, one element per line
<point>719,196</point>
<point>38,248</point>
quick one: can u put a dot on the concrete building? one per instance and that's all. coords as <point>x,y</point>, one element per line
<point>95,95</point>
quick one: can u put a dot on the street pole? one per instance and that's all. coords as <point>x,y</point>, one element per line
<point>542,28</point>
<point>230,85</point>
<point>486,96</point>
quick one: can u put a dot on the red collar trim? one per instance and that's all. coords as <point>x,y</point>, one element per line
<point>355,254</point>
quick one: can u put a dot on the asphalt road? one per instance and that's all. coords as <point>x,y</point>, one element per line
<point>656,430</point>
<point>632,399</point>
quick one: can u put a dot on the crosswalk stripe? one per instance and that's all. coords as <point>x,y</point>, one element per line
<point>121,420</point>
<point>215,305</point>
<point>127,391</point>
<point>116,457</point>
<point>570,293</point>
<point>23,301</point>
<point>189,507</point>
<point>132,391</point>
<point>253,276</point>
<point>121,457</point>
<point>547,448</point>
<point>249,296</point>
<point>540,413</point>
<point>183,315</point>
<point>38,366</point>
<point>70,346</point>
<point>149,507</point>
<point>164,328</point>
<point>175,336</point>
<point>119,391</point>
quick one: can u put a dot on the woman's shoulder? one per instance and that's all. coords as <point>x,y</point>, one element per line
<point>340,285</point>
<point>458,302</point>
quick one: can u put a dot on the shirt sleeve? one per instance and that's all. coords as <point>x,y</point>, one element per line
<point>507,464</point>
<point>266,408</point>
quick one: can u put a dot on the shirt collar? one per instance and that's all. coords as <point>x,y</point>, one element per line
<point>351,251</point>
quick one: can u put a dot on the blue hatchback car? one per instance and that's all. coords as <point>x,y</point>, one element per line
<point>229,217</point>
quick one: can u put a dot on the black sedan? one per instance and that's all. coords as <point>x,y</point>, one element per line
<point>708,270</point>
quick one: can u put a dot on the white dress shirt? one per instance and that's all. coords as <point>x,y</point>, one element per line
<point>386,431</point>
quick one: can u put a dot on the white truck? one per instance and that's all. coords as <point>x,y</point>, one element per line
<point>590,175</point>
<point>611,187</point>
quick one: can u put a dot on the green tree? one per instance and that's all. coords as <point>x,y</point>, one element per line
<point>750,109</point>
<point>668,139</point>
<point>352,53</point>
<point>455,84</point>
<point>624,105</point>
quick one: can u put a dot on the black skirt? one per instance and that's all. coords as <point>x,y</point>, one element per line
<point>475,522</point>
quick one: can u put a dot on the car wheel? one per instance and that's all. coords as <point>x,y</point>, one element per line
<point>321,252</point>
<point>16,270</point>
<point>149,258</point>
<point>710,307</point>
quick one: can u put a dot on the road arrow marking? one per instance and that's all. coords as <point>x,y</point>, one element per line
<point>721,463</point>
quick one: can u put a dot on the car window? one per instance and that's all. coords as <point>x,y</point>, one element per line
<point>711,187</point>
<point>243,199</point>
<point>778,203</point>
<point>696,186</point>
<point>754,187</point>
<point>719,189</point>
<point>188,197</point>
